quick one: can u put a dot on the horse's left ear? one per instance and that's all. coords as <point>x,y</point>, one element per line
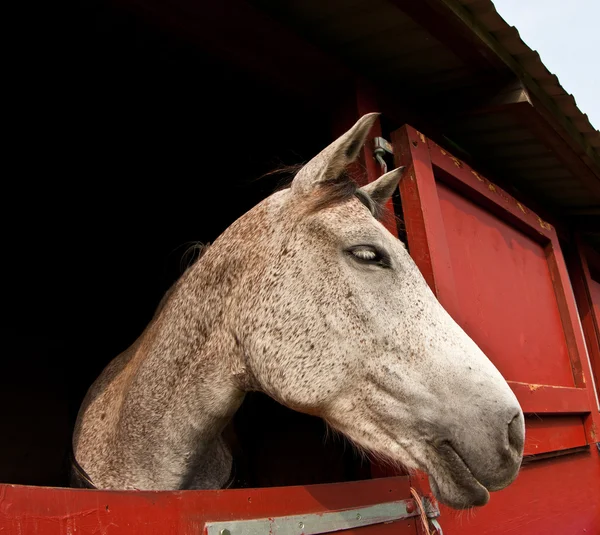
<point>383,188</point>
<point>332,160</point>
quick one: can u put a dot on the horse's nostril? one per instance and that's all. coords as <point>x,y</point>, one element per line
<point>516,435</point>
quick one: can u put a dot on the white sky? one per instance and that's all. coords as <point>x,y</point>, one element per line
<point>566,33</point>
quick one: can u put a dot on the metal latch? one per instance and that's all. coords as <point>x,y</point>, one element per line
<point>327,522</point>
<point>429,512</point>
<point>381,147</point>
<point>432,512</point>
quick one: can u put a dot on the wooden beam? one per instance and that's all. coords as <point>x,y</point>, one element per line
<point>550,399</point>
<point>561,124</point>
<point>440,21</point>
<point>516,99</point>
<point>553,433</point>
<point>454,26</point>
<point>497,99</point>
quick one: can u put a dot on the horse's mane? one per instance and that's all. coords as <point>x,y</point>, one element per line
<point>341,189</point>
<point>191,255</point>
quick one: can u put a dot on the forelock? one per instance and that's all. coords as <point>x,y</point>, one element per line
<point>338,190</point>
<point>331,192</point>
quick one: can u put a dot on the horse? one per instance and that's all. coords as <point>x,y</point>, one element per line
<point>308,299</point>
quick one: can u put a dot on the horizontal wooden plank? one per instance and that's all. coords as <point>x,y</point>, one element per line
<point>553,433</point>
<point>550,399</point>
<point>56,511</point>
<point>471,184</point>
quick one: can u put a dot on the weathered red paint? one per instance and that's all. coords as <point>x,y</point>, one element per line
<point>539,399</point>
<point>52,511</point>
<point>556,496</point>
<point>498,269</point>
<point>452,195</point>
<point>422,216</point>
<point>461,177</point>
<point>545,435</point>
<point>506,293</point>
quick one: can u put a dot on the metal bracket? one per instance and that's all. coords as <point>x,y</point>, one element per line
<point>382,146</point>
<point>436,526</point>
<point>317,523</point>
<point>431,508</point>
<point>432,511</point>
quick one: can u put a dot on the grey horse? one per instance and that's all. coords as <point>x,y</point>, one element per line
<point>310,300</point>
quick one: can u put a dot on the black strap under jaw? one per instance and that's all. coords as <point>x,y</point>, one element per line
<point>79,477</point>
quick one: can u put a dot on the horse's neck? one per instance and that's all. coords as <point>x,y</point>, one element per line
<point>183,392</point>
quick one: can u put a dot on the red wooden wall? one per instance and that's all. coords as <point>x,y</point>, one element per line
<point>499,270</point>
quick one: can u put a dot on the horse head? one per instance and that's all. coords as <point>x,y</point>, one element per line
<point>333,318</point>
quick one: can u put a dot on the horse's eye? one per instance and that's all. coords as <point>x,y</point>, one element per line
<point>368,254</point>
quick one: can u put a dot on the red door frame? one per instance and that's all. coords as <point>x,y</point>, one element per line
<point>581,261</point>
<point>567,469</point>
<point>429,248</point>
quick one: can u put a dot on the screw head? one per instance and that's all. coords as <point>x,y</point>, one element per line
<point>410,507</point>
<point>225,532</point>
<point>358,517</point>
<point>301,525</point>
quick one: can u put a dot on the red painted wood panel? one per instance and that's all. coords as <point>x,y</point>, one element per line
<point>430,247</point>
<point>558,496</point>
<point>422,217</point>
<point>46,511</point>
<point>477,187</point>
<point>506,294</point>
<point>556,433</point>
<point>507,284</point>
<point>550,399</point>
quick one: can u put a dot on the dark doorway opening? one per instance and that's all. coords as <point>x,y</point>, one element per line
<point>144,145</point>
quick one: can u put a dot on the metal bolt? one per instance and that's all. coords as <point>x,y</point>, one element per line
<point>301,525</point>
<point>410,507</point>
<point>225,532</point>
<point>358,517</point>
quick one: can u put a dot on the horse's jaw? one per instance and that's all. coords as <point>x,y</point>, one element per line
<point>451,478</point>
<point>455,419</point>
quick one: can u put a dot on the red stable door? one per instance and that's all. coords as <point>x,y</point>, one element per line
<point>499,271</point>
<point>371,507</point>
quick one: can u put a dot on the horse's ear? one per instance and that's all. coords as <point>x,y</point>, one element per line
<point>383,188</point>
<point>332,160</point>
